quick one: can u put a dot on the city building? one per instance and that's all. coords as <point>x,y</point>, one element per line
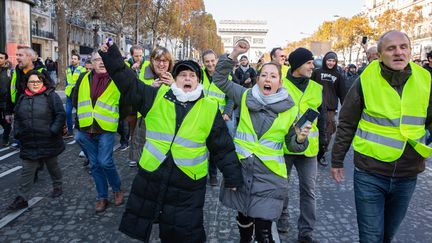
<point>254,31</point>
<point>421,35</point>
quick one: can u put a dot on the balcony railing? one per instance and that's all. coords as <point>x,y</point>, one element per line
<point>42,33</point>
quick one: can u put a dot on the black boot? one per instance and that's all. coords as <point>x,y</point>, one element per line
<point>246,229</point>
<point>263,233</point>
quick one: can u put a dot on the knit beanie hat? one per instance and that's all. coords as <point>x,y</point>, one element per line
<point>299,57</point>
<point>187,65</point>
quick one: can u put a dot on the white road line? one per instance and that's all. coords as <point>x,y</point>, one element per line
<point>72,142</point>
<point>10,171</point>
<point>429,169</point>
<point>13,215</point>
<point>116,147</point>
<point>3,149</point>
<point>9,154</point>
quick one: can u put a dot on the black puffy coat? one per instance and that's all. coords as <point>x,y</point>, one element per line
<point>167,195</point>
<point>39,121</point>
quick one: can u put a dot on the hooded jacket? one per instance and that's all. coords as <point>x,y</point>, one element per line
<point>5,78</point>
<point>333,82</point>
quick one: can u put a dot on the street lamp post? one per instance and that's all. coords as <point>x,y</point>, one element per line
<point>96,26</point>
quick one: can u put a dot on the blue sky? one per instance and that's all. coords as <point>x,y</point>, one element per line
<point>285,19</point>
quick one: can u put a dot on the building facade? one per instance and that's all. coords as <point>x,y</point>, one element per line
<point>421,35</point>
<point>254,31</point>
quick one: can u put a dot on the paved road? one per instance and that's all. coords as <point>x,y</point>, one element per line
<point>71,217</point>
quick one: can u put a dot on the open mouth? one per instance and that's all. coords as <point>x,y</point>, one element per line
<point>267,88</point>
<point>187,87</point>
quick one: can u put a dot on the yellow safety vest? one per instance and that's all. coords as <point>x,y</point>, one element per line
<point>106,109</point>
<point>268,148</point>
<point>142,72</point>
<point>188,145</point>
<point>13,84</point>
<point>310,98</point>
<point>71,78</point>
<point>213,92</point>
<point>388,120</point>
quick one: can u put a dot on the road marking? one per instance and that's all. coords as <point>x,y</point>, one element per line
<point>9,154</point>
<point>116,147</point>
<point>73,141</point>
<point>429,169</point>
<point>13,215</point>
<point>3,149</point>
<point>10,171</point>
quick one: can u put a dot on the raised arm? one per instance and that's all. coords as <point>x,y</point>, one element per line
<point>136,94</point>
<point>224,67</point>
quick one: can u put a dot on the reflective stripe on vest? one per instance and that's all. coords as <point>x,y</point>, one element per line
<point>268,148</point>
<point>310,98</point>
<point>13,84</point>
<point>106,109</point>
<point>71,78</point>
<point>390,120</point>
<point>213,92</point>
<point>188,145</point>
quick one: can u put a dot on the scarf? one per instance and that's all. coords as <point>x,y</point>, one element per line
<point>281,94</point>
<point>98,85</point>
<point>189,96</point>
<point>244,69</point>
<point>29,93</point>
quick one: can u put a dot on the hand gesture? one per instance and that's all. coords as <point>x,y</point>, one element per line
<point>136,65</point>
<point>104,47</point>
<point>226,117</point>
<point>167,79</point>
<point>302,133</point>
<point>338,174</point>
<point>241,46</point>
<point>156,83</point>
<point>248,80</point>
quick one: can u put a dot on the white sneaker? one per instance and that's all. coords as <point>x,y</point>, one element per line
<point>132,163</point>
<point>81,154</point>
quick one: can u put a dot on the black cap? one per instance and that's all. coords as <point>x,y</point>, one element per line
<point>299,57</point>
<point>187,65</point>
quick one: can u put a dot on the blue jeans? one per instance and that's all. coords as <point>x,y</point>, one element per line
<point>69,119</point>
<point>99,150</point>
<point>381,204</point>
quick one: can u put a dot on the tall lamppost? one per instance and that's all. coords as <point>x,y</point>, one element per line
<point>96,26</point>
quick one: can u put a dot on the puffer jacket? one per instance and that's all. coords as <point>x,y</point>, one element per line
<point>39,121</point>
<point>167,195</point>
<point>263,192</point>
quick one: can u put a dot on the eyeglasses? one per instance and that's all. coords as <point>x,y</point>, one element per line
<point>164,61</point>
<point>35,82</point>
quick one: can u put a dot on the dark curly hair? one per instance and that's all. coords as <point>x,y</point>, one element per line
<point>40,76</point>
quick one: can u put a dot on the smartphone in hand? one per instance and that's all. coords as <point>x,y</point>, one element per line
<point>307,118</point>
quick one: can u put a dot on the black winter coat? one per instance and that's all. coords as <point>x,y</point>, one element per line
<point>39,125</point>
<point>167,195</point>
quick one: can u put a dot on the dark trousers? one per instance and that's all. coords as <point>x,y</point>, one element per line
<point>330,129</point>
<point>246,225</point>
<point>123,130</point>
<point>6,126</point>
<point>29,170</point>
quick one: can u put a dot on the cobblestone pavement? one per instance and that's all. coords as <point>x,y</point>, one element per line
<point>71,217</point>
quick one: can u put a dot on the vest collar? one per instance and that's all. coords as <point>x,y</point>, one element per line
<point>395,78</point>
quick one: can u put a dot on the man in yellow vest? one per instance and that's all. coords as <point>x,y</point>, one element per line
<point>73,72</point>
<point>306,94</point>
<point>210,59</point>
<point>98,105</point>
<point>183,128</point>
<point>278,55</point>
<point>385,116</point>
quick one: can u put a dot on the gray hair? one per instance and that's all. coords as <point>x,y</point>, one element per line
<point>29,51</point>
<point>94,53</point>
<point>383,36</point>
<point>207,52</point>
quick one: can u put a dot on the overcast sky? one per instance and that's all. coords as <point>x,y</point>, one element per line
<point>286,19</point>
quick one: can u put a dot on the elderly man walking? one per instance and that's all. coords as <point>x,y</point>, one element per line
<point>385,116</point>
